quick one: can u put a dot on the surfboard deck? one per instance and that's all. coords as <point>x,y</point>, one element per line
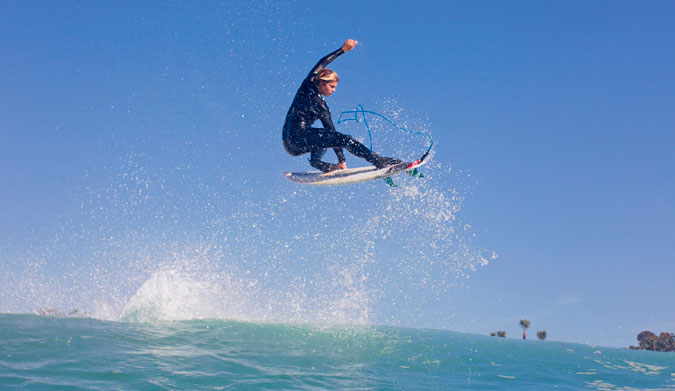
<point>351,175</point>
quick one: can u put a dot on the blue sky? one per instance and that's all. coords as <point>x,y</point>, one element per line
<point>138,131</point>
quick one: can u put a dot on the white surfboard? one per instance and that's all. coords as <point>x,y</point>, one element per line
<point>351,175</point>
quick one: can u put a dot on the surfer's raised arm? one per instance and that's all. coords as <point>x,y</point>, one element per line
<point>347,46</point>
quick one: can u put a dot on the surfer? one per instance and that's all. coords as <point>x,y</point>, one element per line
<point>308,105</point>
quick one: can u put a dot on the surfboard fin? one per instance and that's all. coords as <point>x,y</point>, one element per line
<point>415,172</point>
<point>389,181</point>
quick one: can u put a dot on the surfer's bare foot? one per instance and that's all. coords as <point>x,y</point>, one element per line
<point>342,166</point>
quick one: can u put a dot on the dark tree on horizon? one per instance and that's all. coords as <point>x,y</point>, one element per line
<point>524,324</point>
<point>665,342</point>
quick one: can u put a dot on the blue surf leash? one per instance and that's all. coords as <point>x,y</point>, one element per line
<point>363,112</point>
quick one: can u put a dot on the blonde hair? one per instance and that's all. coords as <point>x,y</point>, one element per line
<point>326,75</point>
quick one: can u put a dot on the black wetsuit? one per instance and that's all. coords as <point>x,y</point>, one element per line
<point>300,137</point>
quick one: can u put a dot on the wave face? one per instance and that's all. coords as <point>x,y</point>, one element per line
<point>46,353</point>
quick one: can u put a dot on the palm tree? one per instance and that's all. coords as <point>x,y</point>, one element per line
<point>524,324</point>
<point>541,334</point>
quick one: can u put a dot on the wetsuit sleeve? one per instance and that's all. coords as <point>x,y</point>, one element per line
<point>325,61</point>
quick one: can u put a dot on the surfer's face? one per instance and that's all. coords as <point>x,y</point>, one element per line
<point>327,88</point>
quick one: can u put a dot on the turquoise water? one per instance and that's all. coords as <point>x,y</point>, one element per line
<point>55,353</point>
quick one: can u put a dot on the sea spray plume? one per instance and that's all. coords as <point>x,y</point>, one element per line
<point>235,249</point>
<point>416,244</point>
<point>333,258</point>
<point>174,295</point>
<point>289,254</point>
<point>413,246</point>
<point>199,289</point>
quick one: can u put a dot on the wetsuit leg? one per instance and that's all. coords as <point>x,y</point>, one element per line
<point>316,162</point>
<point>322,138</point>
<point>316,140</point>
